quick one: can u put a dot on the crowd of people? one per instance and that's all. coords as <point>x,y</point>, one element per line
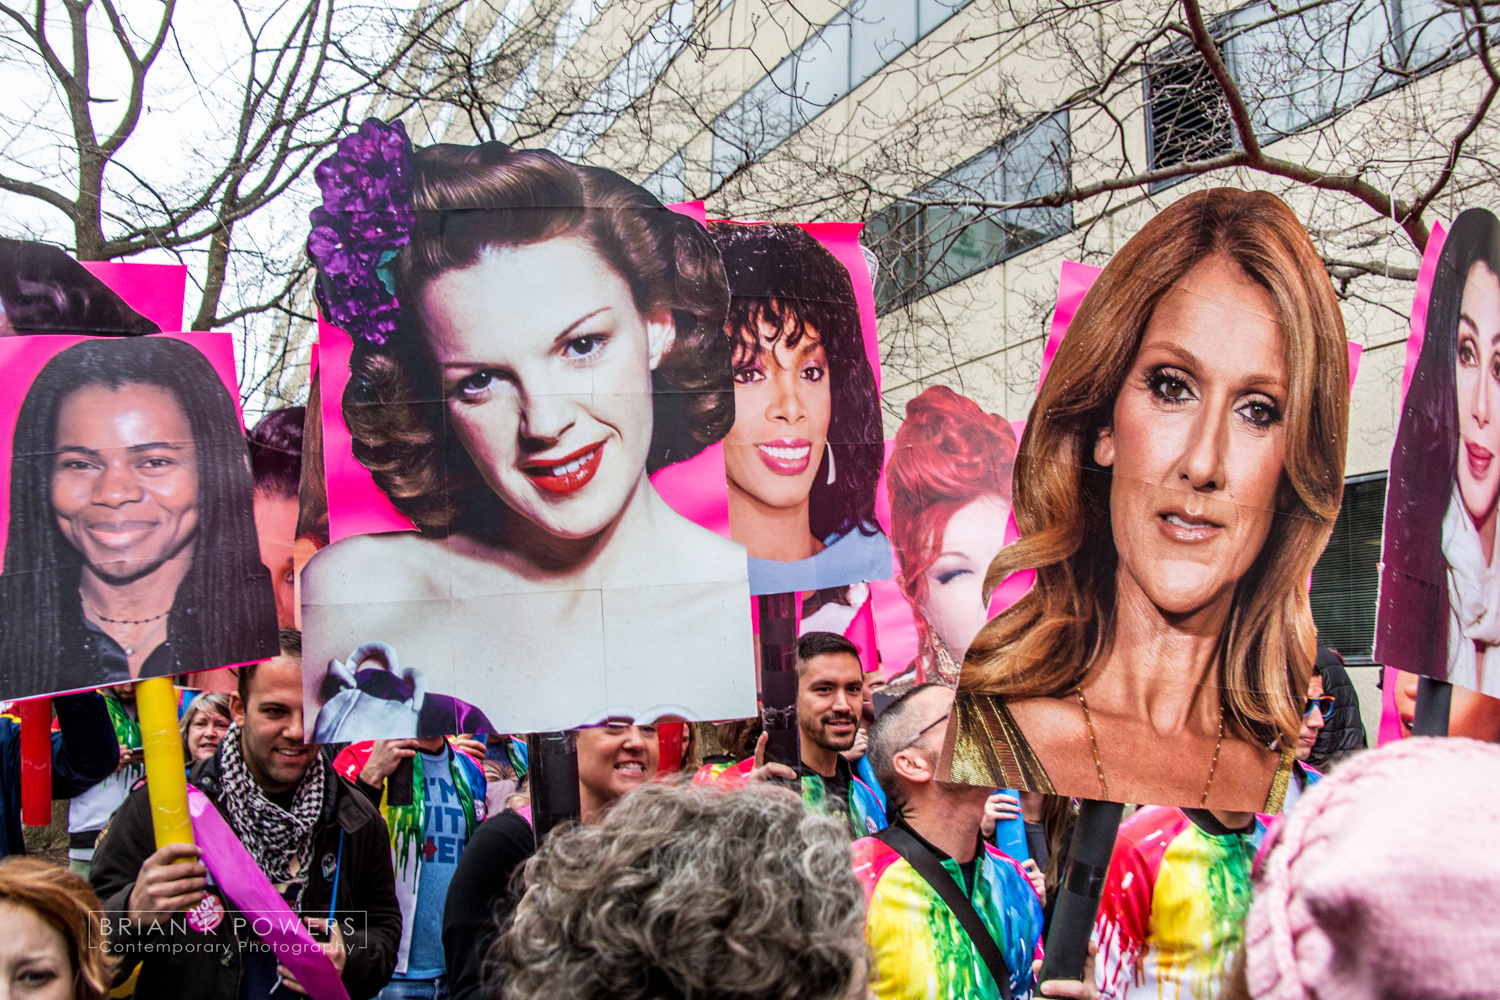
<point>856,874</point>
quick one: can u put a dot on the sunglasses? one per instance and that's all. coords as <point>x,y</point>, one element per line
<point>1324,705</point>
<point>925,730</point>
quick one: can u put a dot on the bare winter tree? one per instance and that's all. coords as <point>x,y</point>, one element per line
<point>155,127</point>
<point>1038,119</point>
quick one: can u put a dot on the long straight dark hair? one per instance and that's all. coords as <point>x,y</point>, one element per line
<point>1411,631</point>
<point>224,611</point>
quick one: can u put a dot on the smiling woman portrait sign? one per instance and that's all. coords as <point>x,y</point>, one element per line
<point>532,340</point>
<point>1439,612</point>
<point>130,549</point>
<point>1179,475</point>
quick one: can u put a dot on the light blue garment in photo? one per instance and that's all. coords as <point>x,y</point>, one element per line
<point>851,558</point>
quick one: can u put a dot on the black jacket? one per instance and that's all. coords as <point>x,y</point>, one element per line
<point>1343,731</point>
<point>84,753</point>
<point>212,967</point>
<point>479,898</point>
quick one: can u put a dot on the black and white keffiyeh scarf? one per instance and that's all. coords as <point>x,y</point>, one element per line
<point>271,834</point>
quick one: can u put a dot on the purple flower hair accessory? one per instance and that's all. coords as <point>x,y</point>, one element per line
<point>365,220</point>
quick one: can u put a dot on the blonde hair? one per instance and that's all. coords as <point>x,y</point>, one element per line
<point>1045,644</point>
<point>215,702</point>
<point>66,902</point>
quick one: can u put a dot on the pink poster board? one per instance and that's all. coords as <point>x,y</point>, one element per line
<point>21,358</point>
<point>153,290</point>
<point>356,506</point>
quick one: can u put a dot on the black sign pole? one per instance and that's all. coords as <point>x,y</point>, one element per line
<point>1082,885</point>
<point>1434,702</point>
<point>778,678</point>
<point>552,764</point>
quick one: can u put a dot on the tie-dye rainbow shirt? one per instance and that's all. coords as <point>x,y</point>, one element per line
<point>917,946</point>
<point>1172,916</point>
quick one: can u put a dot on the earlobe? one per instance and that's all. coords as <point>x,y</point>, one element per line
<point>661,334</point>
<point>1104,447</point>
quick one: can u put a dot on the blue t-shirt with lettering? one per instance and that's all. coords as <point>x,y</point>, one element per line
<point>447,834</point>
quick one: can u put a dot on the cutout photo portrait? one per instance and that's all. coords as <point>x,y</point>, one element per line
<point>1439,611</point>
<point>949,478</point>
<point>803,457</point>
<point>1178,478</point>
<point>131,548</point>
<point>552,336</point>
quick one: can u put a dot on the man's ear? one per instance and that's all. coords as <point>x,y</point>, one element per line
<point>661,334</point>
<point>237,709</point>
<point>1104,447</point>
<point>913,765</point>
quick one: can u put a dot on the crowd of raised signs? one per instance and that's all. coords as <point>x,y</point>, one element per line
<point>610,422</point>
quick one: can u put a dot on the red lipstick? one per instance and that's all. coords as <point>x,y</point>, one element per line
<point>568,474</point>
<point>787,456</point>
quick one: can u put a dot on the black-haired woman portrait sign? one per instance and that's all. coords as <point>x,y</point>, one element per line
<point>1179,476</point>
<point>532,339</point>
<point>1439,612</point>
<point>803,457</point>
<point>130,548</point>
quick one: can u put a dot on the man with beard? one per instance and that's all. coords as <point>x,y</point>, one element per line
<point>319,844</point>
<point>830,685</point>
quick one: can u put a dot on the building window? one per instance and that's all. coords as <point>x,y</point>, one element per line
<point>1346,580</point>
<point>1186,111</point>
<point>669,182</point>
<point>855,45</point>
<point>632,76</point>
<point>923,249</point>
<point>1293,72</point>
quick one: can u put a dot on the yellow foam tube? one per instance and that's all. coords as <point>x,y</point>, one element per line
<point>166,775</point>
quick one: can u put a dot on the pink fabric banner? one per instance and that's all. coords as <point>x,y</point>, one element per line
<point>252,893</point>
<point>1425,275</point>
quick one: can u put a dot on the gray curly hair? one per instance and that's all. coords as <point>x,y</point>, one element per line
<point>688,892</point>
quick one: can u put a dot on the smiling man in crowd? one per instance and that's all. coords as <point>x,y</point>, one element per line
<point>830,698</point>
<point>320,844</point>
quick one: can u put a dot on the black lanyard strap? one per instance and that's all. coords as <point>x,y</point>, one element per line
<point>931,869</point>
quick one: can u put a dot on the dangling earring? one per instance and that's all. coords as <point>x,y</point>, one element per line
<point>832,473</point>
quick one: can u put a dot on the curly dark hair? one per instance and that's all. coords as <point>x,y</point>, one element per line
<point>276,451</point>
<point>469,199</point>
<point>781,276</point>
<point>686,891</point>
<point>43,290</point>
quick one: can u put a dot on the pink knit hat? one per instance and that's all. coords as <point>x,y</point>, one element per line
<point>1384,881</point>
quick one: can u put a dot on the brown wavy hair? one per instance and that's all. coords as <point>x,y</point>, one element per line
<point>687,891</point>
<point>1045,644</point>
<point>66,902</point>
<point>470,199</point>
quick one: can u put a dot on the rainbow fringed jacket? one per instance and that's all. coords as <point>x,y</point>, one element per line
<point>917,946</point>
<point>1172,915</point>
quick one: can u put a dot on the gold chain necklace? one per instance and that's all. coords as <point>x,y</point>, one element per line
<point>1099,764</point>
